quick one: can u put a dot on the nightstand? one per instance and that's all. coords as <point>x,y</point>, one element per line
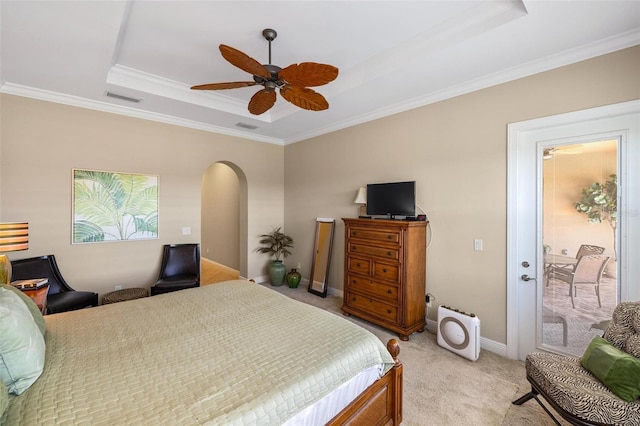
<point>36,289</point>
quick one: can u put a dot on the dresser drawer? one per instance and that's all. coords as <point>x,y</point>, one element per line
<point>364,249</point>
<point>386,272</point>
<point>373,307</point>
<point>379,235</point>
<point>359,265</point>
<point>383,291</point>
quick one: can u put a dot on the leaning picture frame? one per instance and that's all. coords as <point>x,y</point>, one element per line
<point>113,206</point>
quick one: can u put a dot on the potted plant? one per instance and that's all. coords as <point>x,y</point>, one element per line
<point>600,203</point>
<point>277,245</point>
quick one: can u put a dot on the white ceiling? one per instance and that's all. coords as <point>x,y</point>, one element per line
<point>392,55</point>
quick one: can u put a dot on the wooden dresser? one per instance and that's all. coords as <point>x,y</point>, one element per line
<point>384,273</point>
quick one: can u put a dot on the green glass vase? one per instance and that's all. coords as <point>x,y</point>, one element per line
<point>277,271</point>
<point>293,278</point>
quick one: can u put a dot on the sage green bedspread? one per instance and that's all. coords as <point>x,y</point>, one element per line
<point>230,353</point>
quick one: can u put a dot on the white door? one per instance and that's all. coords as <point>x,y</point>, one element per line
<point>527,142</point>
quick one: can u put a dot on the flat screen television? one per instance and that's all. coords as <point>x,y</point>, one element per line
<point>391,199</point>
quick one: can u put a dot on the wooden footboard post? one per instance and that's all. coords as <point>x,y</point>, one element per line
<point>379,404</point>
<point>396,382</point>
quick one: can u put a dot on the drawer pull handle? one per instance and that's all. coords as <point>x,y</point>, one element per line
<point>389,237</point>
<point>354,248</point>
<point>355,233</point>
<point>354,282</point>
<point>389,291</point>
<point>389,253</point>
<point>388,311</point>
<point>358,264</point>
<point>385,270</point>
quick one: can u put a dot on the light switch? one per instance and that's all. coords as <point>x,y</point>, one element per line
<point>186,230</point>
<point>477,244</point>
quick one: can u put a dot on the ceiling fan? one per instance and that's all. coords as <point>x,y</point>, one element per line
<point>548,153</point>
<point>293,81</point>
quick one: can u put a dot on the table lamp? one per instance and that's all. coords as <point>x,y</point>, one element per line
<point>13,237</point>
<point>361,198</point>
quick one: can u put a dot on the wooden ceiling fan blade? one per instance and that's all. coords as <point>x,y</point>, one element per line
<point>304,98</point>
<point>308,74</point>
<point>223,86</point>
<point>244,61</point>
<point>262,101</point>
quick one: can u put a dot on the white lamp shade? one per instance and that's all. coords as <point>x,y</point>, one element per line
<point>361,196</point>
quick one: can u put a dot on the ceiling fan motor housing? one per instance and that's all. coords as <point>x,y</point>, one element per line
<point>275,82</point>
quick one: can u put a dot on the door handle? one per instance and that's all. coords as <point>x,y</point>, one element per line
<point>526,277</point>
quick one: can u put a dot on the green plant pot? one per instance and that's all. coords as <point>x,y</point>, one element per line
<point>293,278</point>
<point>277,271</point>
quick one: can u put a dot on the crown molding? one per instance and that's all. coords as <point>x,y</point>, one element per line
<point>612,44</point>
<point>585,52</point>
<point>60,98</point>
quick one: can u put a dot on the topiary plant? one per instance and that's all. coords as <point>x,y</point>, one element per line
<point>600,203</point>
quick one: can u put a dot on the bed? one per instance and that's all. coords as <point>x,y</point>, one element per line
<point>233,353</point>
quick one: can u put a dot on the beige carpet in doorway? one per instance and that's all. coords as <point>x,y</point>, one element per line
<point>442,388</point>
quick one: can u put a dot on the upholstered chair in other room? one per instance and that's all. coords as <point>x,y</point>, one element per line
<point>588,271</point>
<point>584,250</point>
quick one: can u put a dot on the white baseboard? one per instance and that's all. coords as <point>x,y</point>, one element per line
<point>335,292</point>
<point>262,279</point>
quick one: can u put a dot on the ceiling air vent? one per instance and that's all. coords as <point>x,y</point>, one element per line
<point>123,97</point>
<point>246,126</point>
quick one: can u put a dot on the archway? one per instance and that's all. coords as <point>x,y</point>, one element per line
<point>224,215</point>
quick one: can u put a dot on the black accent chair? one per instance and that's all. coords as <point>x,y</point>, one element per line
<point>180,268</point>
<point>61,297</point>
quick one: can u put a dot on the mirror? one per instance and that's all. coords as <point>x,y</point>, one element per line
<point>321,256</point>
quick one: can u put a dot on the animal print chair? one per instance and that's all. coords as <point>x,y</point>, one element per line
<point>577,395</point>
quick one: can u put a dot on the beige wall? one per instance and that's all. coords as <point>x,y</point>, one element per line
<point>565,176</point>
<point>41,142</point>
<point>456,150</point>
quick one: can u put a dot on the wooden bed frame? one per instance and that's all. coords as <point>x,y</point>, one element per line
<point>380,403</point>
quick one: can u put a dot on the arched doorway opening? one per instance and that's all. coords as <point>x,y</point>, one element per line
<point>224,216</point>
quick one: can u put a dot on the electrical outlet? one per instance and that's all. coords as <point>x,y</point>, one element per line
<point>118,287</point>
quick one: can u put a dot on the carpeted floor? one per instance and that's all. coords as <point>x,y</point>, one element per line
<point>442,388</point>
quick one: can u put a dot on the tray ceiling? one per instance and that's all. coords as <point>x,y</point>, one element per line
<point>392,55</point>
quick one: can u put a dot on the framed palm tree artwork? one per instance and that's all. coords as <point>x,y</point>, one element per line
<point>110,206</point>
